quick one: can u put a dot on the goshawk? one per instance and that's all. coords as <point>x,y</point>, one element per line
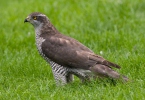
<point>67,56</point>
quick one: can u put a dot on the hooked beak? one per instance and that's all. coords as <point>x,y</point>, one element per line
<point>27,19</point>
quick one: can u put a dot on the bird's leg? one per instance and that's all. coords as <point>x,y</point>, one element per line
<point>63,79</point>
<point>82,77</point>
<point>85,79</point>
<point>60,73</point>
<point>60,79</point>
<point>69,77</point>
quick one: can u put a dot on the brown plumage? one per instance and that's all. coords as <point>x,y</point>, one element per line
<point>68,52</point>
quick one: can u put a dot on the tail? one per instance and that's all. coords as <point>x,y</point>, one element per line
<point>105,71</point>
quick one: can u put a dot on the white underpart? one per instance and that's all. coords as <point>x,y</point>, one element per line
<point>39,40</point>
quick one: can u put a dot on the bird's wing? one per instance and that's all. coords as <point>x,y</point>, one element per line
<point>71,53</point>
<point>102,61</point>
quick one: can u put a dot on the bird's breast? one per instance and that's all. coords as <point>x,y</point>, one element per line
<point>39,41</point>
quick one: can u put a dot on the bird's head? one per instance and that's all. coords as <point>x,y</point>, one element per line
<point>36,19</point>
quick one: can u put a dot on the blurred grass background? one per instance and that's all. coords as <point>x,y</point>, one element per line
<point>114,27</point>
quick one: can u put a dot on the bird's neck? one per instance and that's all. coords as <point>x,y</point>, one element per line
<point>38,30</point>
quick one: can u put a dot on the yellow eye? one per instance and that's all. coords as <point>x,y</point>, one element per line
<point>34,17</point>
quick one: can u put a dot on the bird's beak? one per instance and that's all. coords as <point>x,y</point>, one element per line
<point>27,19</point>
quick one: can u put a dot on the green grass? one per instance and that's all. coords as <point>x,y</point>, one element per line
<point>115,27</point>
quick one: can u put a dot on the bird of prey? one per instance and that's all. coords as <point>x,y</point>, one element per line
<point>67,56</point>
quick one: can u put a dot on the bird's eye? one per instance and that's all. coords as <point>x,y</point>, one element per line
<point>34,17</point>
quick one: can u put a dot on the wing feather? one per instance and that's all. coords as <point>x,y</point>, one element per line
<point>69,52</point>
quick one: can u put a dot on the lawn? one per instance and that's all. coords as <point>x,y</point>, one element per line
<point>114,29</point>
